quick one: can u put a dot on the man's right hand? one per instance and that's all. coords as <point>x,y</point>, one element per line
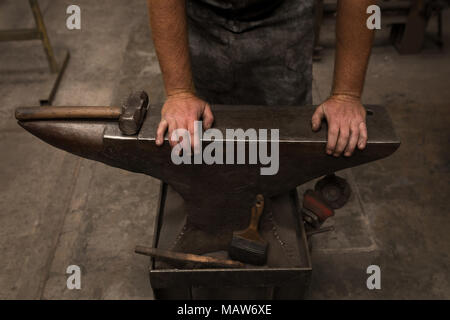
<point>180,111</point>
<point>170,37</point>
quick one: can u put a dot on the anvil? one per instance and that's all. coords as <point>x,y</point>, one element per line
<point>217,198</point>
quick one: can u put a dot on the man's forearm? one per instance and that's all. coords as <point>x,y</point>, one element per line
<point>169,31</point>
<point>353,47</point>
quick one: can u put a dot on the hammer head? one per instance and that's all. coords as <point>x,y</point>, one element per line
<point>133,113</point>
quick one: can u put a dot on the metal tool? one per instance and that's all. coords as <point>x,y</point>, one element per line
<point>315,209</point>
<point>318,231</point>
<point>131,115</point>
<point>334,190</point>
<point>247,245</point>
<point>184,259</point>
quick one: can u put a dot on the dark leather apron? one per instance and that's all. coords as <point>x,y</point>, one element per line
<point>252,51</point>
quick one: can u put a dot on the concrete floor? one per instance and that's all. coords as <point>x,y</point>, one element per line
<point>57,209</point>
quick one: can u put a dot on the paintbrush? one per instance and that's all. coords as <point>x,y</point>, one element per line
<point>247,245</point>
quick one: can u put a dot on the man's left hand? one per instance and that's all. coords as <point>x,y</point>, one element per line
<point>346,118</point>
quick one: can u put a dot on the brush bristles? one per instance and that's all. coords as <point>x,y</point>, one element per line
<point>248,251</point>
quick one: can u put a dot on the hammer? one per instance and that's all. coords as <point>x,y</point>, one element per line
<point>187,259</point>
<point>131,115</point>
<point>247,245</point>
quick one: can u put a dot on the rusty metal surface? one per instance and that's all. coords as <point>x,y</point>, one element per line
<point>231,188</point>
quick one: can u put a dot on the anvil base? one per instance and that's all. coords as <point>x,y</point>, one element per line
<point>286,275</point>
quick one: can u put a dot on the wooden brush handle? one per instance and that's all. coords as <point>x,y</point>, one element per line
<point>257,211</point>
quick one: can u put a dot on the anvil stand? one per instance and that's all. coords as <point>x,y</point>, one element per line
<point>281,282</point>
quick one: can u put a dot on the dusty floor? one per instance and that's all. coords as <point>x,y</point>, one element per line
<point>57,210</point>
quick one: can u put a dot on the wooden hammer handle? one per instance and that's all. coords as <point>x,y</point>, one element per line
<point>179,257</point>
<point>48,113</point>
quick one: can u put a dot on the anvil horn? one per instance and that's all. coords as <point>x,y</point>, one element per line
<point>220,194</point>
<point>82,138</point>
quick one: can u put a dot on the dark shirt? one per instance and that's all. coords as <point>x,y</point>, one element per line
<point>241,9</point>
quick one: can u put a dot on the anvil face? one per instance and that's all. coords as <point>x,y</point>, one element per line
<point>221,194</point>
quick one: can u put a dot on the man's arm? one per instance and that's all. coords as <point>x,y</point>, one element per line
<point>344,112</point>
<point>182,107</point>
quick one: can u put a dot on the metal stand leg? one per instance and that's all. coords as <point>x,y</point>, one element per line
<point>49,100</point>
<point>44,36</point>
